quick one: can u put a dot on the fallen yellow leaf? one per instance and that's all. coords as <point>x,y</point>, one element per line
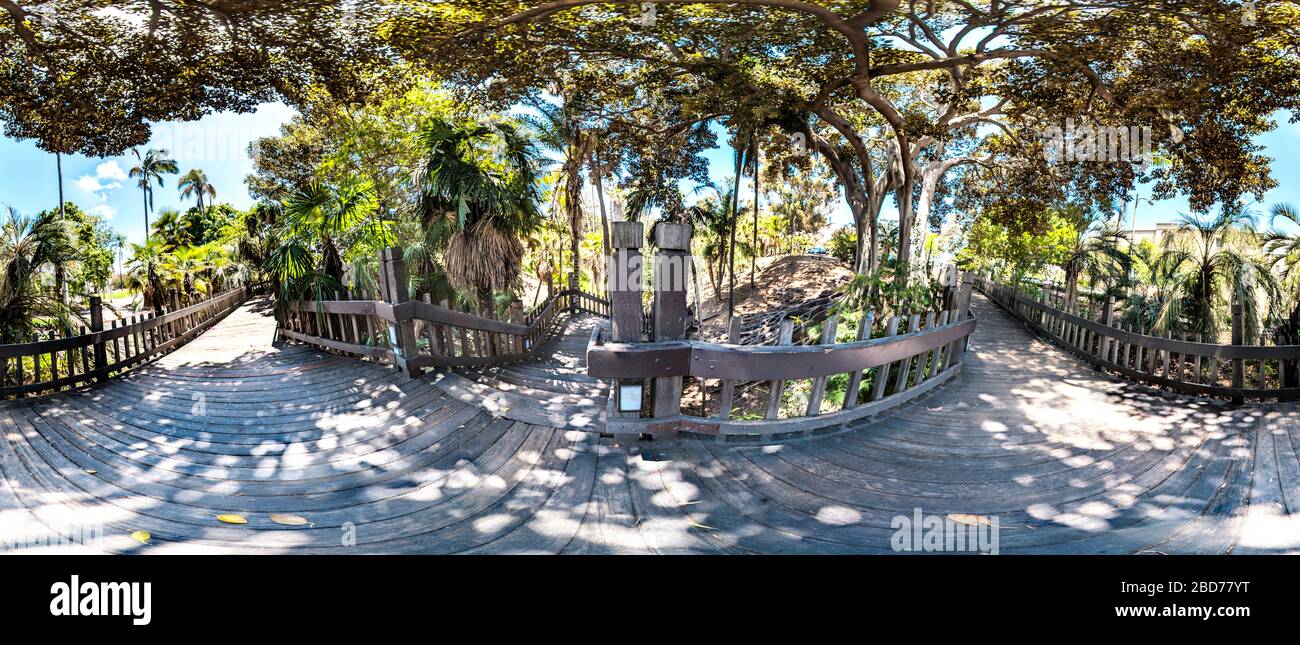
<point>142,537</point>
<point>289,520</point>
<point>968,519</point>
<point>89,471</point>
<point>231,518</point>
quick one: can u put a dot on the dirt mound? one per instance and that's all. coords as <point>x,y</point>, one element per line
<point>802,285</point>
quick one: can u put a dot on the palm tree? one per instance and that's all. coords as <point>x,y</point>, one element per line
<point>119,242</point>
<point>171,229</point>
<point>195,183</point>
<point>1094,251</point>
<point>1156,303</point>
<point>184,267</point>
<point>1284,249</point>
<point>711,217</point>
<point>27,244</point>
<point>476,194</point>
<point>1223,274</point>
<point>320,213</point>
<point>561,130</point>
<point>149,170</point>
<point>146,261</point>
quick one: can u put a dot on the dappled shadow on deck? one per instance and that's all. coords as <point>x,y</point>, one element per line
<point>1067,459</point>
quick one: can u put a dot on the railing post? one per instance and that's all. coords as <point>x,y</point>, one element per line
<point>1108,317</point>
<point>625,281</point>
<point>96,326</point>
<point>1104,341</point>
<point>401,334</point>
<point>670,277</point>
<point>963,307</point>
<point>1238,365</point>
<point>573,288</point>
<point>624,288</point>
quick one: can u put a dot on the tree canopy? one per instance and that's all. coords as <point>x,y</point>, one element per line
<point>89,76</point>
<point>885,91</point>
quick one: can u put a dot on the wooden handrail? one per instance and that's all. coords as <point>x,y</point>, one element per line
<point>60,363</point>
<point>763,362</point>
<point>1181,365</point>
<point>445,337</point>
<point>898,367</point>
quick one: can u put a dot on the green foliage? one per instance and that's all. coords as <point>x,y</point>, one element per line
<point>476,194</point>
<point>93,77</point>
<point>844,244</point>
<point>27,310</point>
<point>1225,268</point>
<point>882,292</point>
<point>318,220</point>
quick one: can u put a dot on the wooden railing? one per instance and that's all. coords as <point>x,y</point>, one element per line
<point>586,302</point>
<point>1235,371</point>
<point>892,362</point>
<point>100,352</point>
<point>437,336</point>
<point>417,334</point>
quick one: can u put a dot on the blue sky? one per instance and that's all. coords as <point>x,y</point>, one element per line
<point>218,144</point>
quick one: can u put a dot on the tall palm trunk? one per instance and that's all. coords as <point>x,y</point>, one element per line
<point>144,192</point>
<point>486,306</point>
<point>731,253</point>
<point>596,173</point>
<point>1071,288</point>
<point>573,198</point>
<point>60,271</point>
<point>753,256</point>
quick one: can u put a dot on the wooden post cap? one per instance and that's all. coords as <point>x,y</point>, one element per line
<point>673,237</point>
<point>627,235</point>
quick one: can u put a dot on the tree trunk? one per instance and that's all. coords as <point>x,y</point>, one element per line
<point>929,184</point>
<point>60,271</point>
<point>596,175</point>
<point>573,196</point>
<point>753,259</point>
<point>735,202</point>
<point>904,195</point>
<point>1071,290</point>
<point>485,304</point>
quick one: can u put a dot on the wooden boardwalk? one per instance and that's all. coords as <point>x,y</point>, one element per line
<point>497,461</point>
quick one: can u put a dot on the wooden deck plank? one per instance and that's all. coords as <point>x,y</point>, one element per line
<point>1069,460</point>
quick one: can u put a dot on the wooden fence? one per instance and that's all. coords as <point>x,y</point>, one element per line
<point>892,362</point>
<point>417,334</point>
<point>1238,372</point>
<point>103,351</point>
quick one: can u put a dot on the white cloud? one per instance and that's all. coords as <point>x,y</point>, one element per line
<point>108,176</point>
<point>110,170</point>
<point>93,185</point>
<point>104,210</point>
